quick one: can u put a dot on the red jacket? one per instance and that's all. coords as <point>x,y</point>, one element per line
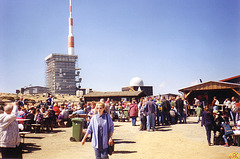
<point>133,110</point>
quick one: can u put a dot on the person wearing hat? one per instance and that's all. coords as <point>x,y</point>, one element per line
<point>218,133</point>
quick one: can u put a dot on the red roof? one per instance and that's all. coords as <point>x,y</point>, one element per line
<point>227,79</point>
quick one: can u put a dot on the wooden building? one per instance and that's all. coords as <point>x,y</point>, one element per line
<point>34,90</point>
<point>168,95</point>
<point>235,79</point>
<point>206,91</point>
<point>148,90</point>
<point>116,96</point>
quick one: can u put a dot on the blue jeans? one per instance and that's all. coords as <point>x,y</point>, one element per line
<point>173,120</point>
<point>225,138</point>
<point>151,121</point>
<point>101,154</point>
<point>161,117</point>
<point>166,117</point>
<point>158,115</point>
<point>234,117</point>
<point>199,118</point>
<point>180,115</point>
<point>134,120</point>
<point>184,118</point>
<point>208,132</point>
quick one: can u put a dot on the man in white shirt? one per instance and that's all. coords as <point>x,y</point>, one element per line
<point>9,133</point>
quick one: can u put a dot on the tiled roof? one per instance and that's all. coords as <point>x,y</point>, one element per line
<point>114,94</point>
<point>211,85</point>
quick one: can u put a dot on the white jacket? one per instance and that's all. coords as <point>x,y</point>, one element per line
<point>9,132</point>
<point>234,107</point>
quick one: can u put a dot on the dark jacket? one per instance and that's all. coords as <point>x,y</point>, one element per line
<point>179,105</point>
<point>166,105</point>
<point>149,107</point>
<point>207,119</point>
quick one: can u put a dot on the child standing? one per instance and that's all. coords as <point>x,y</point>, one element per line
<point>198,111</point>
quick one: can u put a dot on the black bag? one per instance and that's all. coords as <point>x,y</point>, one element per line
<point>110,148</point>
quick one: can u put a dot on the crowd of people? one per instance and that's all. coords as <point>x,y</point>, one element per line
<point>98,117</point>
<point>161,111</point>
<point>151,111</point>
<point>219,121</point>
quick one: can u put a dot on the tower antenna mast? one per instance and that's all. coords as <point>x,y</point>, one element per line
<point>70,34</point>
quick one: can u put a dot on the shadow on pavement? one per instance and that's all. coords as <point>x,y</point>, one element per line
<point>163,128</point>
<point>47,132</point>
<point>119,141</point>
<point>124,152</point>
<point>30,147</point>
<point>192,122</point>
<point>57,131</point>
<point>33,137</point>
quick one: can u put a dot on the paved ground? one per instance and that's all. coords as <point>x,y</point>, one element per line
<point>167,142</point>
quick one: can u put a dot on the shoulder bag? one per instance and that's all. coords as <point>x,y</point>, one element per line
<point>228,130</point>
<point>110,148</point>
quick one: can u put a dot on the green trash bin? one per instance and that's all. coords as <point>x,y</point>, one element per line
<point>125,112</point>
<point>77,128</point>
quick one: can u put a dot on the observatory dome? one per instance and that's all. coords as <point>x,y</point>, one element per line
<point>136,81</point>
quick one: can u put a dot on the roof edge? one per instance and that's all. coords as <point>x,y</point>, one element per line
<point>228,83</point>
<point>230,78</point>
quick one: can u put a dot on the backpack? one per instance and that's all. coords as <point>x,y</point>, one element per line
<point>172,113</point>
<point>159,106</point>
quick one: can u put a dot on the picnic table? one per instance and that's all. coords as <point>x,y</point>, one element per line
<point>22,135</point>
<point>23,119</point>
<point>236,135</point>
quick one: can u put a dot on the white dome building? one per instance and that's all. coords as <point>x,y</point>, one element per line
<point>136,84</point>
<point>136,81</point>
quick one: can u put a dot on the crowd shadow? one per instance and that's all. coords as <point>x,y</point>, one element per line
<point>163,128</point>
<point>30,147</point>
<point>49,132</point>
<point>192,122</point>
<point>120,141</point>
<point>33,137</point>
<point>57,131</point>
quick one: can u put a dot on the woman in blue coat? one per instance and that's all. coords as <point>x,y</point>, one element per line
<point>101,127</point>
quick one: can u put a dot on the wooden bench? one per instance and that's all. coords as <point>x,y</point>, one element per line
<point>35,126</point>
<point>237,139</point>
<point>22,135</point>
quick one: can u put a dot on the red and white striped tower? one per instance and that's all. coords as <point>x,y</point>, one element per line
<point>70,34</point>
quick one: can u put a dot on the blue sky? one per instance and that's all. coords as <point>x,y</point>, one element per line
<point>170,44</point>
